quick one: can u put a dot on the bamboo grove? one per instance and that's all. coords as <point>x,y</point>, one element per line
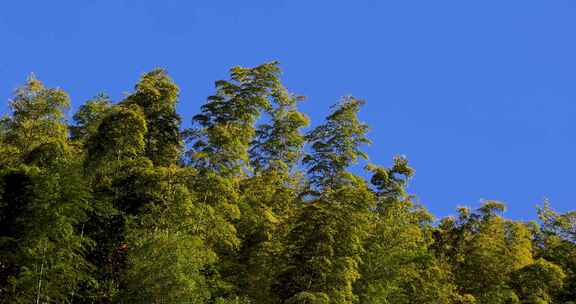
<point>124,205</point>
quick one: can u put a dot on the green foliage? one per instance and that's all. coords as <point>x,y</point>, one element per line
<point>42,250</point>
<point>485,250</point>
<point>397,266</point>
<point>326,242</point>
<point>538,282</point>
<point>267,203</point>
<point>309,298</point>
<point>37,116</point>
<point>116,209</point>
<point>280,141</point>
<point>165,252</point>
<point>225,128</point>
<point>120,137</point>
<point>336,144</point>
<point>89,117</point>
<point>157,94</point>
<point>556,242</point>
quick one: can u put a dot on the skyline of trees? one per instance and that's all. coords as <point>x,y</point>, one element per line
<point>124,205</point>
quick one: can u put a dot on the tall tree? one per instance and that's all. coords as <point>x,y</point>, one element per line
<point>37,116</point>
<point>326,241</point>
<point>157,95</point>
<point>115,166</point>
<point>43,203</point>
<point>484,250</point>
<point>336,145</point>
<point>269,197</point>
<point>397,266</point>
<point>223,132</point>
<point>280,141</point>
<point>556,243</point>
<point>220,142</point>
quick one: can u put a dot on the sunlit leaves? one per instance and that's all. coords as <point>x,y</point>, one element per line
<point>118,210</point>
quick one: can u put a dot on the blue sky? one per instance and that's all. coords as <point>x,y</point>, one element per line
<point>479,95</point>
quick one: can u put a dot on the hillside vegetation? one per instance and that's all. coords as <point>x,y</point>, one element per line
<point>123,205</point>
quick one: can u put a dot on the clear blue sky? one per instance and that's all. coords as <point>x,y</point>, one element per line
<point>479,95</point>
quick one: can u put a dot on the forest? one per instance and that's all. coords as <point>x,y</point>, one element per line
<point>250,204</point>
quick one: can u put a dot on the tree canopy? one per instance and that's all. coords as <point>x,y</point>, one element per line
<point>124,205</point>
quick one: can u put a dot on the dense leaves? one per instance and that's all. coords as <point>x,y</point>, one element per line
<point>125,206</point>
